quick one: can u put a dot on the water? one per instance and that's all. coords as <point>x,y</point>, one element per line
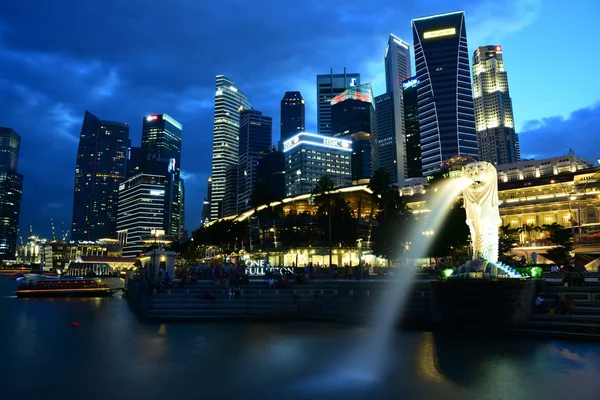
<point>113,355</point>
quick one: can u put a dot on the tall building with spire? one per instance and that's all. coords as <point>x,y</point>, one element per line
<point>11,189</point>
<point>293,119</point>
<point>494,120</point>
<point>99,170</point>
<point>229,101</point>
<point>445,105</point>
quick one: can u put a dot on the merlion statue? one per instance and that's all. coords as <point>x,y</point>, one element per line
<point>481,203</point>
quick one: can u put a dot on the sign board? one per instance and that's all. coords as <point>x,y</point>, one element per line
<point>439,33</point>
<point>317,140</point>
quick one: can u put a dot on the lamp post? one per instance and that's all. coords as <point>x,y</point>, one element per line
<point>358,248</point>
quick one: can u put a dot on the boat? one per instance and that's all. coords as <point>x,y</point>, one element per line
<point>41,286</point>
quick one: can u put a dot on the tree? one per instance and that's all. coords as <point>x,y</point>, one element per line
<point>393,228</point>
<point>452,236</point>
<point>562,239</point>
<point>325,198</point>
<point>507,240</point>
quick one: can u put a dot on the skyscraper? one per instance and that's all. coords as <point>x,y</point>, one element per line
<point>353,118</point>
<point>11,189</point>
<point>446,113</point>
<point>206,204</point>
<point>386,145</point>
<point>229,203</point>
<point>271,170</point>
<point>391,132</point>
<point>135,160</point>
<point>494,121</point>
<point>329,86</point>
<point>143,208</point>
<point>10,143</point>
<point>256,137</point>
<point>229,101</point>
<point>292,115</point>
<point>161,148</point>
<point>99,170</point>
<point>411,127</point>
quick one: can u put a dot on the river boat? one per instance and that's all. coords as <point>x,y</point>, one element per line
<point>41,286</point>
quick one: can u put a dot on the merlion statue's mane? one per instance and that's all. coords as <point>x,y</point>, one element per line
<point>485,198</point>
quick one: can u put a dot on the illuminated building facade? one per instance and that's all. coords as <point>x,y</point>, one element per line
<point>99,170</point>
<point>353,118</point>
<point>229,101</point>
<point>10,144</point>
<point>293,119</point>
<point>268,240</point>
<point>494,121</point>
<point>329,86</point>
<point>308,157</point>
<point>57,254</point>
<point>256,138</point>
<point>386,145</point>
<point>411,127</point>
<point>11,190</point>
<point>446,112</point>
<point>229,203</point>
<point>397,69</point>
<point>144,203</point>
<point>161,148</point>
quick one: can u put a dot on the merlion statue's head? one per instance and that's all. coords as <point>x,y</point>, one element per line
<point>482,175</point>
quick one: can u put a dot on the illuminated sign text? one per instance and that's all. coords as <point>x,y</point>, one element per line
<point>439,33</point>
<point>410,83</point>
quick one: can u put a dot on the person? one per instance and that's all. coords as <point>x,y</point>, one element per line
<point>237,293</point>
<point>540,303</point>
<point>567,306</point>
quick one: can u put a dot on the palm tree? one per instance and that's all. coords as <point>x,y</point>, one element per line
<point>325,199</point>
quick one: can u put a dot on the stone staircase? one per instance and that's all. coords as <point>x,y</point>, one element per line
<point>333,301</point>
<point>582,323</point>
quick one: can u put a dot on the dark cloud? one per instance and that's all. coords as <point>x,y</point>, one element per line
<point>125,59</point>
<point>554,136</point>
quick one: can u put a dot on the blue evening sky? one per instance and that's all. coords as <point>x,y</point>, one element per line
<point>125,59</point>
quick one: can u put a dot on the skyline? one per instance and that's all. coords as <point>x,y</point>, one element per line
<point>55,74</point>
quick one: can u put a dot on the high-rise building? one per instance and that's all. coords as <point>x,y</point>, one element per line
<point>292,115</point>
<point>161,145</point>
<point>229,203</point>
<point>256,138</point>
<point>329,86</point>
<point>353,118</point>
<point>397,69</point>
<point>397,63</point>
<point>100,169</point>
<point>206,204</point>
<point>411,127</point>
<point>143,211</point>
<point>494,120</point>
<point>271,169</point>
<point>446,113</point>
<point>386,146</point>
<point>11,189</point>
<point>10,143</point>
<point>229,101</point>
<point>308,157</point>
<point>135,161</point>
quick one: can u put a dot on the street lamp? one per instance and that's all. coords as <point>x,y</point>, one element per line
<point>358,247</point>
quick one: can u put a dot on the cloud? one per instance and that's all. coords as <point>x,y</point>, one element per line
<point>58,59</point>
<point>491,21</point>
<point>554,136</point>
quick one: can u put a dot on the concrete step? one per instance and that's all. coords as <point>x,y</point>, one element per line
<point>563,326</point>
<point>558,334</point>
<point>585,318</point>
